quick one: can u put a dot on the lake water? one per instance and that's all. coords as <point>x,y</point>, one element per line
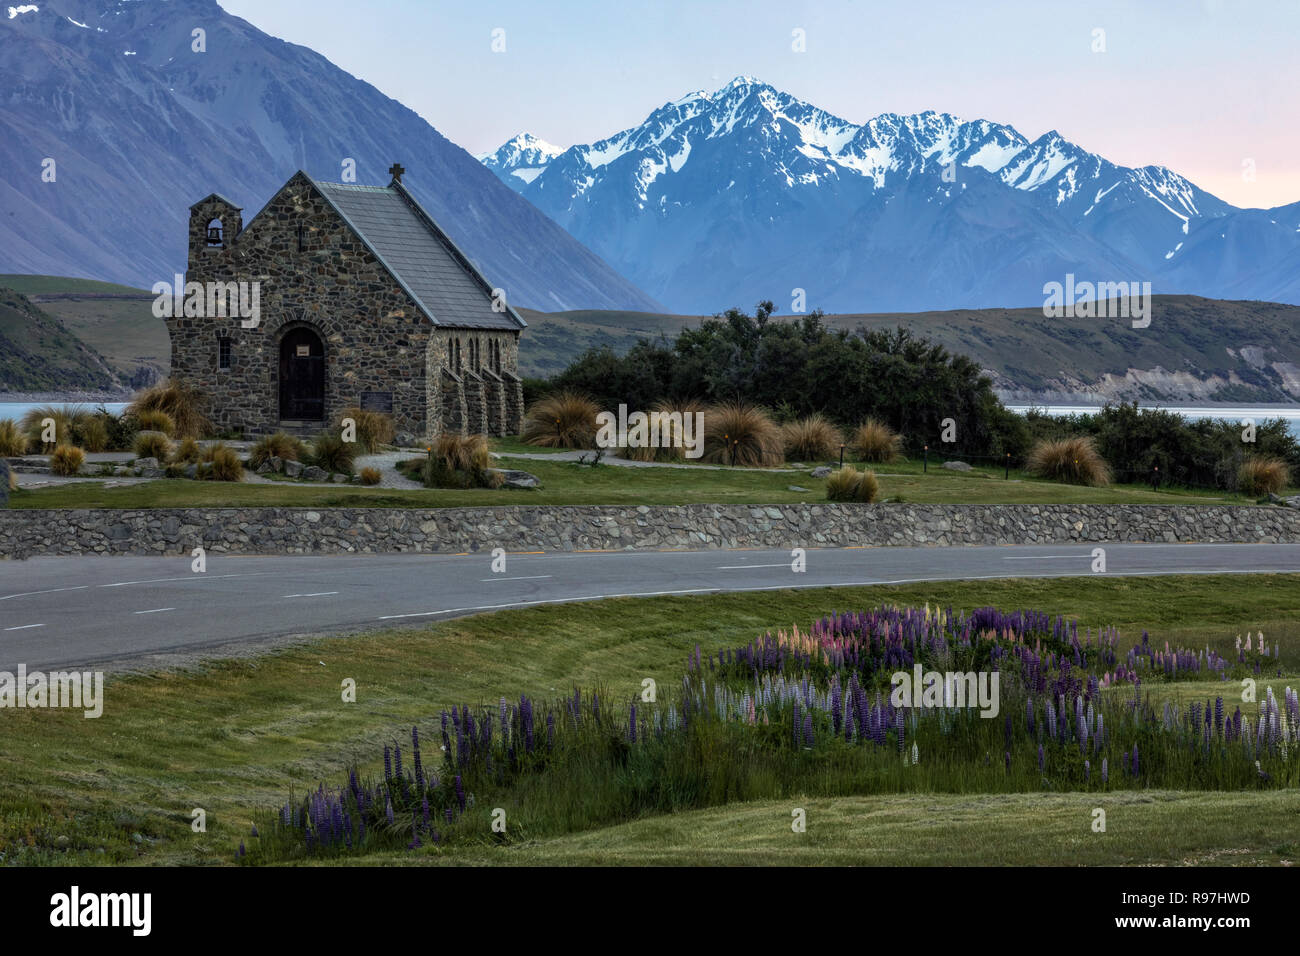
<point>1235,413</point>
<point>17,410</point>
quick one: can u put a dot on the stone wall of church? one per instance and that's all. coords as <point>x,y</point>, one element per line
<point>482,390</point>
<point>375,339</point>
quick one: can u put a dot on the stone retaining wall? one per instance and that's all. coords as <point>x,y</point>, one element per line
<point>25,533</point>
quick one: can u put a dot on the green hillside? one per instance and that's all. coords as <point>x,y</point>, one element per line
<point>38,354</point>
<point>42,285</point>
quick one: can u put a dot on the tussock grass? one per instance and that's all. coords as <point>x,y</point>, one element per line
<point>66,418</point>
<point>331,452</point>
<point>1074,461</point>
<point>13,440</point>
<point>875,441</point>
<point>675,449</point>
<point>372,428</point>
<point>92,433</point>
<point>460,461</point>
<point>742,434</point>
<point>371,476</point>
<point>222,463</point>
<point>187,452</point>
<point>156,420</point>
<point>66,460</point>
<point>153,445</point>
<point>849,484</point>
<point>563,420</point>
<point>1262,476</point>
<point>182,403</point>
<point>278,445</point>
<point>814,438</point>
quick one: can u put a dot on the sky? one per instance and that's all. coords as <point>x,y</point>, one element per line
<point>1208,88</point>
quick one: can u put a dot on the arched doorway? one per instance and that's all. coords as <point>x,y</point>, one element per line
<point>302,376</point>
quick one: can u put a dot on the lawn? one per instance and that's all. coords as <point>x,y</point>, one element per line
<point>571,483</point>
<point>235,737</point>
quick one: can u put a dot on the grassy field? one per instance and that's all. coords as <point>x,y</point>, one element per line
<point>235,737</point>
<point>570,483</point>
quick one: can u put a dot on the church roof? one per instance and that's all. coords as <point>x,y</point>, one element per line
<point>421,257</point>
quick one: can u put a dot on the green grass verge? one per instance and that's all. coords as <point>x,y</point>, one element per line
<point>235,736</point>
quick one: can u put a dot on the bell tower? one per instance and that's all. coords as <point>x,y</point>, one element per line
<point>215,223</point>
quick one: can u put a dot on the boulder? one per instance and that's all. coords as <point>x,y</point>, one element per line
<point>406,440</point>
<point>293,469</point>
<point>821,472</point>
<point>956,466</point>
<point>148,468</point>
<point>191,470</point>
<point>264,468</point>
<point>276,463</point>
<point>314,473</point>
<point>339,479</point>
<point>797,488</point>
<point>517,479</point>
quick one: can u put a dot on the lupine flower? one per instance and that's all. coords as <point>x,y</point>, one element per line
<point>1087,771</point>
<point>1105,770</point>
<point>1040,757</point>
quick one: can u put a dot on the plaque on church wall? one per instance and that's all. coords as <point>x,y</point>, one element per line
<point>377,402</point>
<point>304,351</point>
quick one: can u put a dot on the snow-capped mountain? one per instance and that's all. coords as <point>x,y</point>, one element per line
<point>723,198</point>
<point>140,120</point>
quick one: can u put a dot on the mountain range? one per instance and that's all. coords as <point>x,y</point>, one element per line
<point>140,124</point>
<point>747,193</point>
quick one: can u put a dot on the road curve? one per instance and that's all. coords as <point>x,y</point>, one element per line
<point>59,612</point>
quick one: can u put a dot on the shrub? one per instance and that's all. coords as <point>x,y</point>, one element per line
<point>460,461</point>
<point>156,420</point>
<point>66,460</point>
<point>92,433</point>
<point>121,429</point>
<point>13,440</point>
<point>370,476</point>
<point>813,438</point>
<point>174,470</point>
<point>65,417</point>
<point>741,434</point>
<point>181,403</point>
<point>1262,476</point>
<point>153,445</point>
<point>223,463</point>
<point>187,452</point>
<point>279,445</point>
<point>331,452</point>
<point>372,428</point>
<point>562,420</point>
<point>849,484</point>
<point>876,442</point>
<point>1071,460</point>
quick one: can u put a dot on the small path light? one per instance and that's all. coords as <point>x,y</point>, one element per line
<point>925,460</point>
<point>841,454</point>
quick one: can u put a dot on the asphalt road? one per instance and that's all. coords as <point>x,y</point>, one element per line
<point>57,612</point>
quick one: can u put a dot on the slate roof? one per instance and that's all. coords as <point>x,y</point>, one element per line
<point>423,259</point>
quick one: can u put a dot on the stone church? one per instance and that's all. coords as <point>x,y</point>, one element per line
<point>362,301</point>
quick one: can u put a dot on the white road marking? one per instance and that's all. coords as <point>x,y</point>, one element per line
<point>79,587</point>
<point>530,577</point>
<point>589,597</point>
<point>25,627</point>
<point>189,577</point>
<point>746,567</point>
<point>157,610</point>
<point>313,594</point>
<point>1040,557</point>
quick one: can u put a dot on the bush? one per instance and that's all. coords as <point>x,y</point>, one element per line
<point>66,419</point>
<point>331,452</point>
<point>181,403</point>
<point>91,433</point>
<point>1262,476</point>
<point>460,461</point>
<point>876,442</point>
<point>156,420</point>
<point>153,445</point>
<point>1071,460</point>
<point>121,429</point>
<point>741,434</point>
<point>279,445</point>
<point>66,460</point>
<point>223,463</point>
<point>849,484</point>
<point>187,452</point>
<point>13,440</point>
<point>562,420</point>
<point>370,476</point>
<point>813,438</point>
<point>372,428</point>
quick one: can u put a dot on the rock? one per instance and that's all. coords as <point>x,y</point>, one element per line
<point>146,463</point>
<point>956,466</point>
<point>517,479</point>
<point>264,468</point>
<point>293,469</point>
<point>148,468</point>
<point>277,464</point>
<point>821,472</point>
<point>1293,501</point>
<point>406,440</point>
<point>314,473</point>
<point>340,479</point>
<point>797,488</point>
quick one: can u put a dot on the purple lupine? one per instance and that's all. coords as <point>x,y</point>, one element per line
<point>1041,757</point>
<point>1105,770</point>
<point>255,833</point>
<point>807,730</point>
<point>898,725</point>
<point>397,762</point>
<point>550,730</point>
<point>419,768</point>
<point>1007,755</point>
<point>388,811</point>
<point>460,794</point>
<point>388,762</point>
<point>242,851</point>
<point>1029,715</point>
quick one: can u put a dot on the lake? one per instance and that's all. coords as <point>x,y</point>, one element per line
<point>17,410</point>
